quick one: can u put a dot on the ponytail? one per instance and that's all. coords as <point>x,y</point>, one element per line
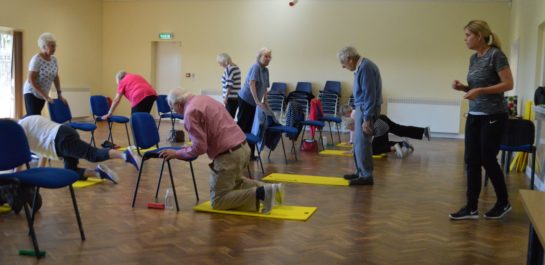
<point>495,41</point>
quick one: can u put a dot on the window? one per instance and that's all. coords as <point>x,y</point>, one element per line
<point>7,95</point>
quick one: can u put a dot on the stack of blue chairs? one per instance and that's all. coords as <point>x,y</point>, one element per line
<point>329,97</point>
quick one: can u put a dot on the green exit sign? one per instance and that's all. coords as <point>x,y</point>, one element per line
<point>166,36</point>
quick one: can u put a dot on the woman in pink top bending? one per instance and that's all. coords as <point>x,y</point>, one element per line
<point>136,89</point>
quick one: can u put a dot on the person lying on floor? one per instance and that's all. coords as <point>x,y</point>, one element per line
<point>212,130</point>
<point>382,127</point>
<point>53,140</point>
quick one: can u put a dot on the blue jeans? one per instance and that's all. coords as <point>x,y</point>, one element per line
<point>363,152</point>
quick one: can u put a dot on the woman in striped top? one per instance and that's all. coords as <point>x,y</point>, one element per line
<point>230,82</point>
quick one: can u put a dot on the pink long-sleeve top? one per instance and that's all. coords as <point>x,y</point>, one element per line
<point>211,128</point>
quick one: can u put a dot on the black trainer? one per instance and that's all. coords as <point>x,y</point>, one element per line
<point>361,181</point>
<point>350,176</point>
<point>464,214</point>
<point>498,211</point>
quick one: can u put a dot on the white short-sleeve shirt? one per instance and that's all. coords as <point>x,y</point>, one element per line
<point>47,71</point>
<point>41,133</point>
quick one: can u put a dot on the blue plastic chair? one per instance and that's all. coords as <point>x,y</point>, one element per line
<point>15,152</point>
<point>277,96</point>
<point>253,139</point>
<point>146,135</point>
<point>60,113</point>
<point>99,108</point>
<point>305,87</point>
<point>330,96</point>
<point>165,112</point>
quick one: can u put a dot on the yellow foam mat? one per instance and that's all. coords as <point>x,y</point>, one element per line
<point>141,150</point>
<point>305,179</point>
<point>5,208</point>
<point>344,144</point>
<point>285,212</point>
<point>87,183</point>
<point>344,153</point>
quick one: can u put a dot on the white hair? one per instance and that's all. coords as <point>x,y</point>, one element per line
<point>177,95</point>
<point>44,39</point>
<point>346,53</point>
<point>224,59</point>
<point>261,52</point>
<point>120,76</point>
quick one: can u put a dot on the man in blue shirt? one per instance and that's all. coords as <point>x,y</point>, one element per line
<point>367,91</point>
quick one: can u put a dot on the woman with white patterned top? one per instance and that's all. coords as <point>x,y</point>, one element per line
<point>42,72</point>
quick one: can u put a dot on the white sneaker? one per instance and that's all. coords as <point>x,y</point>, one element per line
<point>270,191</point>
<point>279,194</point>
<point>106,173</point>
<point>399,151</point>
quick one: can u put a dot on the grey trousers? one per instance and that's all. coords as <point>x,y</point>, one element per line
<point>229,190</point>
<point>363,152</point>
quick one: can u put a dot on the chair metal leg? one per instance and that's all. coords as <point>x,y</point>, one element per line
<point>331,133</point>
<point>78,218</point>
<point>31,231</point>
<point>269,156</point>
<point>93,142</point>
<point>159,124</point>
<point>173,187</point>
<point>33,206</point>
<point>160,178</point>
<point>194,182</point>
<point>284,150</point>
<point>294,150</point>
<point>338,132</point>
<point>259,157</point>
<point>302,136</point>
<point>110,134</point>
<point>138,182</point>
<point>321,140</point>
<point>128,137</point>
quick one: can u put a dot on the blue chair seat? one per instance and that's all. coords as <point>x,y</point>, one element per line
<point>118,119</point>
<point>252,139</point>
<point>88,127</point>
<point>320,124</point>
<point>51,178</point>
<point>332,119</point>
<point>290,131</point>
<point>523,148</point>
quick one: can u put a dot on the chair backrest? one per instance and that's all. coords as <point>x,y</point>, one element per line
<point>162,104</point>
<point>279,88</point>
<point>333,87</point>
<point>144,130</point>
<point>15,150</point>
<point>305,87</point>
<point>99,105</point>
<point>59,112</point>
<point>518,132</point>
<point>539,96</point>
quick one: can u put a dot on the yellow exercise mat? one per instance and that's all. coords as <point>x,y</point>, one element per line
<point>134,149</point>
<point>296,213</point>
<point>344,144</point>
<point>87,183</point>
<point>344,153</point>
<point>305,179</point>
<point>5,208</point>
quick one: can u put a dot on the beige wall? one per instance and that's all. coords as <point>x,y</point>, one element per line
<point>77,26</point>
<point>418,45</point>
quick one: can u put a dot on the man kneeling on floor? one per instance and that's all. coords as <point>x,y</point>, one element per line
<point>52,140</point>
<point>212,130</point>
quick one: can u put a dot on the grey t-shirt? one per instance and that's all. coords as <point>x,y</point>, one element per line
<point>47,71</point>
<point>483,72</point>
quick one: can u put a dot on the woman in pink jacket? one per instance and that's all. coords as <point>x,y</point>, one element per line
<point>137,90</point>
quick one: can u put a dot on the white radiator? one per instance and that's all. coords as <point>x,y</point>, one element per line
<point>78,100</point>
<point>442,116</point>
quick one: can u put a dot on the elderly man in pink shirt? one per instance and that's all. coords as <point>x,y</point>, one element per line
<point>212,130</point>
<point>136,89</point>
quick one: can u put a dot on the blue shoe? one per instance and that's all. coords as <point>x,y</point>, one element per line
<point>132,159</point>
<point>106,173</point>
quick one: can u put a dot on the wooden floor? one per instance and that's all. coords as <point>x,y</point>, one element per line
<point>402,219</point>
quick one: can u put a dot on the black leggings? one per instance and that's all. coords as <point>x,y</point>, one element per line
<point>144,105</point>
<point>246,113</point>
<point>232,106</point>
<point>482,143</point>
<point>33,105</point>
<point>382,144</point>
<point>69,146</point>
